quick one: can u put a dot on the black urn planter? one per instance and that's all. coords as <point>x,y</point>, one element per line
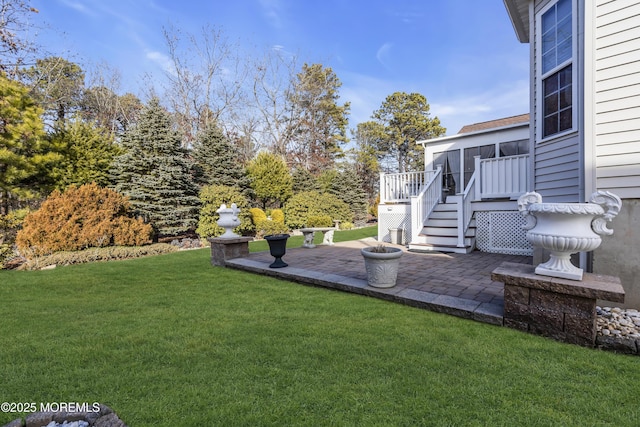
<point>277,248</point>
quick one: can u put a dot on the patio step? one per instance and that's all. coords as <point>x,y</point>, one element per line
<point>440,232</point>
<point>426,247</point>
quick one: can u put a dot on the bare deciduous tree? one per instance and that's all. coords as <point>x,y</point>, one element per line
<point>15,45</point>
<point>205,78</point>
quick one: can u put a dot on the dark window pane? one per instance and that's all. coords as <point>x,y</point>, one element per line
<point>565,119</point>
<point>551,104</point>
<point>508,149</point>
<point>523,147</point>
<point>565,76</point>
<point>551,84</point>
<point>550,125</point>
<point>565,98</point>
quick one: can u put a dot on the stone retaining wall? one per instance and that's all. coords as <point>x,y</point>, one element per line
<point>105,417</point>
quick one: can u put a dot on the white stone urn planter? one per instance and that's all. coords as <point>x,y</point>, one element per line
<point>567,228</point>
<point>228,220</point>
<point>381,263</point>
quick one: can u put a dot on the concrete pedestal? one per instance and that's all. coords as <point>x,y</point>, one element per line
<point>223,249</point>
<point>557,308</point>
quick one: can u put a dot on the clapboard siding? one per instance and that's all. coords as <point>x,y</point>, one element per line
<point>618,138</point>
<point>617,96</point>
<point>619,103</point>
<point>557,170</point>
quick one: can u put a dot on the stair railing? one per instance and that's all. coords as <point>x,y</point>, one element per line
<point>465,210</point>
<point>423,203</point>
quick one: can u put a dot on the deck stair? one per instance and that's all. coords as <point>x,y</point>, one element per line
<point>440,232</point>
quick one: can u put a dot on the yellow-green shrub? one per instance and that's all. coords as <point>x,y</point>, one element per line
<point>319,221</point>
<point>81,217</point>
<point>257,215</point>
<point>277,215</point>
<point>267,227</point>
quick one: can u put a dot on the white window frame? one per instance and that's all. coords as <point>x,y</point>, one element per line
<point>573,61</point>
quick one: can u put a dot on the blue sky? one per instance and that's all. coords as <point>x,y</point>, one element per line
<point>462,55</point>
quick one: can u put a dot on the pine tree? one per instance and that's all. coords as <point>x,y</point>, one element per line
<point>25,156</point>
<point>348,188</point>
<point>155,174</point>
<point>303,180</point>
<point>217,161</point>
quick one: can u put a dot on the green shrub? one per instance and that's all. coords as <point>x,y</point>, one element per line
<point>212,197</point>
<point>319,221</point>
<point>302,206</point>
<point>110,253</point>
<point>81,217</point>
<point>346,226</point>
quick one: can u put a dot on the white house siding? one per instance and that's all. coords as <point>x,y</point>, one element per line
<point>617,96</point>
<point>557,167</point>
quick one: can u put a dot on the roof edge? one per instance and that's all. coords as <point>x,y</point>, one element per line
<point>519,18</point>
<point>479,132</point>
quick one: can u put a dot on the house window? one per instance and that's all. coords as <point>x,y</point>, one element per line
<point>485,152</point>
<point>514,148</point>
<point>556,57</point>
<point>450,162</point>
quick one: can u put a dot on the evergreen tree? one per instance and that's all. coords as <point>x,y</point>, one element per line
<point>270,179</point>
<point>25,158</point>
<point>88,154</point>
<point>155,174</point>
<point>348,187</point>
<point>401,120</point>
<point>317,127</point>
<point>303,180</point>
<point>216,160</point>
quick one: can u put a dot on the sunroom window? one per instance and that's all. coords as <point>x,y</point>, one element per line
<point>556,47</point>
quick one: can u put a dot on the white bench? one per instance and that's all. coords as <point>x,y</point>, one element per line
<point>309,234</point>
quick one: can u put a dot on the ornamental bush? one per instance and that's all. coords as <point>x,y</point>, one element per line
<point>302,206</point>
<point>212,197</point>
<point>268,226</point>
<point>277,215</point>
<point>257,215</point>
<point>81,217</point>
<point>319,221</point>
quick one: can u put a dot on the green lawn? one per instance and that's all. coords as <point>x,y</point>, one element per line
<point>339,236</point>
<point>172,341</point>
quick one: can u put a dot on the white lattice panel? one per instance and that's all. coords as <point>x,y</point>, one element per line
<point>501,232</point>
<point>390,216</point>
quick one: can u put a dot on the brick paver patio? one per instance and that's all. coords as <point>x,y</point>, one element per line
<point>457,284</point>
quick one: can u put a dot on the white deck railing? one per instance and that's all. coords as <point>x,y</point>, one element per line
<point>465,209</point>
<point>399,187</point>
<point>422,204</point>
<point>502,177</point>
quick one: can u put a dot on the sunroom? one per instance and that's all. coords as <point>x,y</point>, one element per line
<point>465,198</point>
